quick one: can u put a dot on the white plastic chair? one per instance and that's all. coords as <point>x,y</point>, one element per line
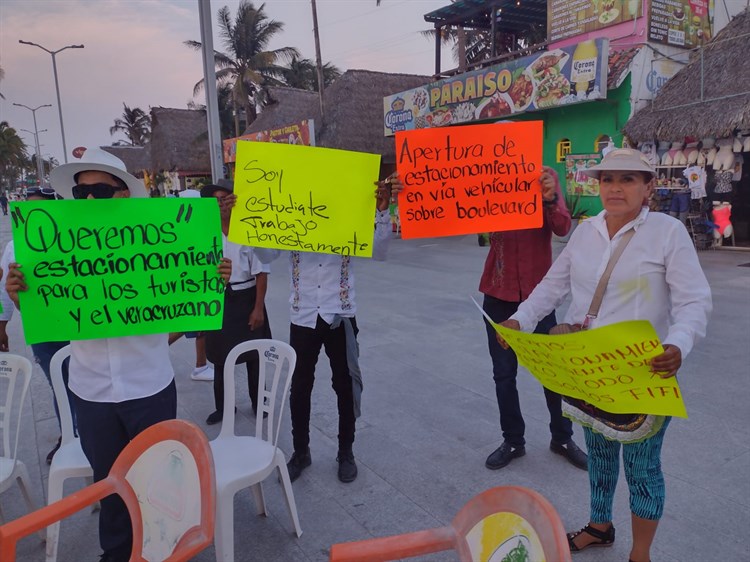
<point>244,461</point>
<point>13,369</point>
<point>69,460</point>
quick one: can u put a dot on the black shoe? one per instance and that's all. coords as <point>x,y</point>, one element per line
<point>53,451</point>
<point>216,417</point>
<point>298,463</point>
<point>115,556</point>
<point>570,451</point>
<point>505,453</point>
<point>347,466</point>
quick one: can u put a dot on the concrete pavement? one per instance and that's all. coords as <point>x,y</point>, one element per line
<point>430,419</point>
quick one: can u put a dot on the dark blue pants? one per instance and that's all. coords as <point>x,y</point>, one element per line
<point>505,369</point>
<point>43,353</point>
<point>105,429</point>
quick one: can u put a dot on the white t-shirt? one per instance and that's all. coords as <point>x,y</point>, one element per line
<point>696,177</point>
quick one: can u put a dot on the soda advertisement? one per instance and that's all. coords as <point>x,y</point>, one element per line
<point>568,18</point>
<point>576,181</point>
<point>296,133</point>
<point>544,80</point>
<point>681,23</point>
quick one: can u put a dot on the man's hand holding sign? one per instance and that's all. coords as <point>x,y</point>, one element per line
<point>465,180</point>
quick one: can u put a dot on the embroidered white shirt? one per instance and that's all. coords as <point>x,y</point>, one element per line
<point>658,278</point>
<point>323,284</point>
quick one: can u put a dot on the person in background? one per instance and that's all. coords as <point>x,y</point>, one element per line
<point>42,351</point>
<point>657,278</point>
<point>323,312</point>
<point>120,386</point>
<point>516,262</point>
<point>4,202</point>
<point>245,315</point>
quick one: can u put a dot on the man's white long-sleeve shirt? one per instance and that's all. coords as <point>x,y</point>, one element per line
<point>657,278</point>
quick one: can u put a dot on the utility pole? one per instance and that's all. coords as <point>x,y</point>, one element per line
<point>212,98</point>
<point>318,60</point>
<point>40,169</point>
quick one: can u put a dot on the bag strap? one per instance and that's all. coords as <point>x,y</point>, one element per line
<point>596,301</point>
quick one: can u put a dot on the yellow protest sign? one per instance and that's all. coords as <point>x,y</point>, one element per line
<point>293,197</point>
<point>609,367</point>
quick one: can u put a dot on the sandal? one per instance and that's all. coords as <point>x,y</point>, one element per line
<point>604,538</point>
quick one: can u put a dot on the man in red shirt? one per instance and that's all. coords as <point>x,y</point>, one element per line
<point>516,263</point>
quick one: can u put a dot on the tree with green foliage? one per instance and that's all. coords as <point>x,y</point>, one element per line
<point>13,156</point>
<point>247,63</point>
<point>302,74</point>
<point>135,124</point>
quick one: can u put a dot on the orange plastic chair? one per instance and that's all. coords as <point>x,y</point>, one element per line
<point>503,523</point>
<point>165,476</point>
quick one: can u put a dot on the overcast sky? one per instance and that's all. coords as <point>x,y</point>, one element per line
<point>134,54</point>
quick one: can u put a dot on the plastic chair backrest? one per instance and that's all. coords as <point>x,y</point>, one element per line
<point>509,520</point>
<point>503,523</point>
<point>13,368</point>
<point>277,360</point>
<point>165,476</point>
<point>61,393</point>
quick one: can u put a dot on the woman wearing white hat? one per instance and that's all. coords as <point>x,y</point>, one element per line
<point>657,278</point>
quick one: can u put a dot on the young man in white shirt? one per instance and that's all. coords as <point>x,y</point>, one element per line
<point>120,386</point>
<point>323,312</point>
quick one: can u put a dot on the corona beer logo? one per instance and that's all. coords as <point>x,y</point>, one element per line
<point>397,118</point>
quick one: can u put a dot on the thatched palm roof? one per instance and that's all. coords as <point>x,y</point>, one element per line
<point>678,111</point>
<point>179,140</point>
<point>353,111</point>
<point>286,106</point>
<point>136,158</point>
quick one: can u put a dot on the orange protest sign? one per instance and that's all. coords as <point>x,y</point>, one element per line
<point>470,179</point>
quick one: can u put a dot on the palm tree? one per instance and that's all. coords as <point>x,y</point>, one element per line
<point>2,75</point>
<point>302,74</point>
<point>247,65</point>
<point>135,123</point>
<point>12,153</point>
<point>224,94</point>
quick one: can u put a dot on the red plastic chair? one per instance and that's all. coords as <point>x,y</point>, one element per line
<point>165,476</point>
<point>491,526</point>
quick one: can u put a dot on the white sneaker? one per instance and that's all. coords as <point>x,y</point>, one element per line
<point>205,373</point>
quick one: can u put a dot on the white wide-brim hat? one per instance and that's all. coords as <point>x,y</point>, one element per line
<point>63,179</point>
<point>621,160</point>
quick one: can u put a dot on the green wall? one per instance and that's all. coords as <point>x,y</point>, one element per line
<point>582,124</point>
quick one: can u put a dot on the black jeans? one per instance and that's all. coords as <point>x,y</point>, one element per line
<point>105,429</point>
<point>307,343</point>
<point>505,369</point>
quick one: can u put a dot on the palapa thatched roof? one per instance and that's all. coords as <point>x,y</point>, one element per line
<point>353,111</point>
<point>179,140</point>
<point>287,106</point>
<point>136,158</point>
<point>678,111</point>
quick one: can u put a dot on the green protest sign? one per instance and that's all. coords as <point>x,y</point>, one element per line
<point>118,267</point>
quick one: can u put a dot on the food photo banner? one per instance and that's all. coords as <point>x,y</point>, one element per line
<point>304,198</point>
<point>609,367</point>
<point>555,78</point>
<point>302,132</point>
<point>682,23</point>
<point>576,180</point>
<point>568,18</point>
<point>470,179</point>
<point>104,268</point>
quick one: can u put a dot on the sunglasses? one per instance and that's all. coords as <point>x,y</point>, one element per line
<point>46,192</point>
<point>98,190</point>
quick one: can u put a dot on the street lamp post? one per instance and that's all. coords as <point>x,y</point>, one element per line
<point>39,168</point>
<point>57,86</point>
<point>38,150</point>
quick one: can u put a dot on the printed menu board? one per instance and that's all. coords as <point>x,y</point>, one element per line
<point>564,76</point>
<point>576,181</point>
<point>682,23</point>
<point>568,18</point>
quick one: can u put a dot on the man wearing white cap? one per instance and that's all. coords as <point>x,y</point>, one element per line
<point>120,386</point>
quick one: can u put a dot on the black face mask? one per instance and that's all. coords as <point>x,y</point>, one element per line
<point>98,190</point>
